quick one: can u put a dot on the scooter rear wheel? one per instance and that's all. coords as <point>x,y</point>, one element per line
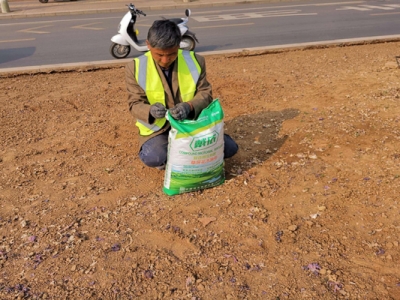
<point>187,43</point>
<point>119,51</point>
<point>43,1</point>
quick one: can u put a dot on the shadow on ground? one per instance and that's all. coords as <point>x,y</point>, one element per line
<point>7,55</point>
<point>257,137</point>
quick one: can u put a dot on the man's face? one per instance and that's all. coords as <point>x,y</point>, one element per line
<point>163,57</point>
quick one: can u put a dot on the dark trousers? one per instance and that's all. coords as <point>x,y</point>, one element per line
<point>154,151</point>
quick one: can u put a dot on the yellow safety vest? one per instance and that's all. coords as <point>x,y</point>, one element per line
<point>149,80</point>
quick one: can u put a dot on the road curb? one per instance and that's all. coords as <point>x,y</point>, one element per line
<point>239,52</point>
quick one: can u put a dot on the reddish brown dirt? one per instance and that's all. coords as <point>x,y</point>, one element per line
<point>310,208</point>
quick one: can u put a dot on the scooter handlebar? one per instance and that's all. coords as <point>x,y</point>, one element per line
<point>140,12</point>
<point>133,9</point>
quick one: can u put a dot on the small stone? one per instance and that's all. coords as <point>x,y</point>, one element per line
<point>322,271</point>
<point>292,227</point>
<point>32,239</point>
<point>148,274</point>
<point>200,287</point>
<point>322,208</point>
<point>73,268</point>
<point>309,223</point>
<point>332,277</point>
<point>207,220</point>
<point>391,65</point>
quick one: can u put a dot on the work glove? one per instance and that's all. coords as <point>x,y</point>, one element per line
<point>158,110</point>
<point>180,111</point>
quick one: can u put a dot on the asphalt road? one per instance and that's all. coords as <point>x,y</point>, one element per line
<point>82,38</point>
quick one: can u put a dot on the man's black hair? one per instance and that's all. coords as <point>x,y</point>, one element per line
<point>164,34</point>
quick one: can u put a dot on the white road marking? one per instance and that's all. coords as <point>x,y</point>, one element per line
<point>89,28</point>
<point>58,21</point>
<point>248,15</point>
<point>31,30</point>
<point>228,25</point>
<point>20,40</point>
<point>277,7</point>
<point>353,8</point>
<point>377,7</point>
<point>385,14</point>
<point>370,7</point>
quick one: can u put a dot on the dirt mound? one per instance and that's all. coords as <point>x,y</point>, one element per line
<point>310,208</point>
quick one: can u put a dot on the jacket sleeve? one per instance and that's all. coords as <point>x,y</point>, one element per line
<point>139,106</point>
<point>203,96</point>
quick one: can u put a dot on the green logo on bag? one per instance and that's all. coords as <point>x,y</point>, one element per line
<point>204,142</point>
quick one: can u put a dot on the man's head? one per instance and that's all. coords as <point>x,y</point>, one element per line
<point>163,41</point>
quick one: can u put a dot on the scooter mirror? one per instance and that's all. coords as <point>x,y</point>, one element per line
<point>187,12</point>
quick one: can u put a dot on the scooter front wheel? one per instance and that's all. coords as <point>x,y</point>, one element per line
<point>119,51</point>
<point>187,43</point>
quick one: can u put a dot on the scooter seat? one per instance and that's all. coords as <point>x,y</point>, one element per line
<point>176,20</point>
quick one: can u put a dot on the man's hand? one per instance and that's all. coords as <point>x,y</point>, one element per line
<point>158,110</point>
<point>180,111</point>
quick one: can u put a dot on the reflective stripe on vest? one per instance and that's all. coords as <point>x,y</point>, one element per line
<point>149,80</point>
<point>188,74</point>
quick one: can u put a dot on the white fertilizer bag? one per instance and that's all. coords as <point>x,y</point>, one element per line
<point>195,152</point>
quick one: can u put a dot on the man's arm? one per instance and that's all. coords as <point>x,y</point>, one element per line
<point>203,96</point>
<point>138,104</point>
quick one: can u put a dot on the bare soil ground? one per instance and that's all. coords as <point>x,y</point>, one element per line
<point>310,208</point>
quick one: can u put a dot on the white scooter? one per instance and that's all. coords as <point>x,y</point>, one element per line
<point>127,36</point>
